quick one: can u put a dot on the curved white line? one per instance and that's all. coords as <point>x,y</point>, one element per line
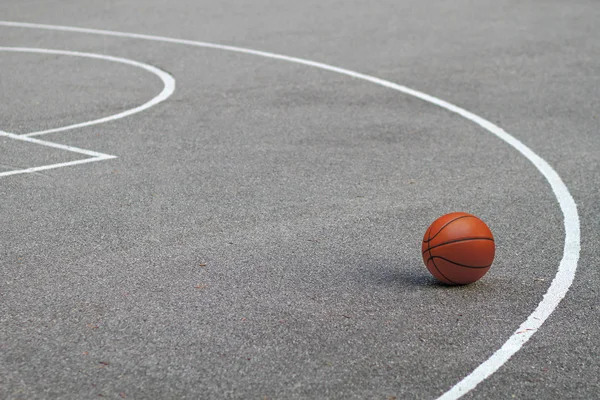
<point>167,80</point>
<point>568,265</point>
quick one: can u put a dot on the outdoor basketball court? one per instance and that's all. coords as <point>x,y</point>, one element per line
<point>226,199</point>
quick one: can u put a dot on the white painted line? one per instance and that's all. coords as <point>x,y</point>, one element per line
<point>167,79</point>
<point>168,89</point>
<point>94,156</point>
<point>52,166</point>
<point>54,145</point>
<point>568,265</point>
<point>561,282</point>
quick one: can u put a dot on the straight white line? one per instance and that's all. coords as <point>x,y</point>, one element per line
<point>94,155</point>
<point>52,166</point>
<point>568,265</point>
<point>168,89</point>
<point>73,149</point>
<point>167,79</point>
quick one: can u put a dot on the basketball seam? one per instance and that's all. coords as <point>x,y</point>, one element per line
<point>433,261</point>
<point>455,263</point>
<point>445,225</point>
<point>457,241</point>
<point>438,270</point>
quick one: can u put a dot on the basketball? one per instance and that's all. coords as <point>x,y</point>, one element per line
<point>458,248</point>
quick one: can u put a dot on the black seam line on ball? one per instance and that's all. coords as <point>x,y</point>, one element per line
<point>446,224</point>
<point>458,241</point>
<point>455,263</point>
<point>428,239</point>
<point>438,270</point>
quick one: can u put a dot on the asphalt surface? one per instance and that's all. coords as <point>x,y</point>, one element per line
<point>259,234</point>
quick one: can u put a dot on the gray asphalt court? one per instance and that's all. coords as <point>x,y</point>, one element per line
<point>226,199</point>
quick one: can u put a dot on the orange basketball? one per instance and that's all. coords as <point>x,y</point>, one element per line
<point>458,248</point>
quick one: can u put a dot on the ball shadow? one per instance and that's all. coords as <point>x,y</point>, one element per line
<point>405,275</point>
<point>408,276</point>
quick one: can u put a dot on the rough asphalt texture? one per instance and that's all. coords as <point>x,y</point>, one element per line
<point>258,235</point>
